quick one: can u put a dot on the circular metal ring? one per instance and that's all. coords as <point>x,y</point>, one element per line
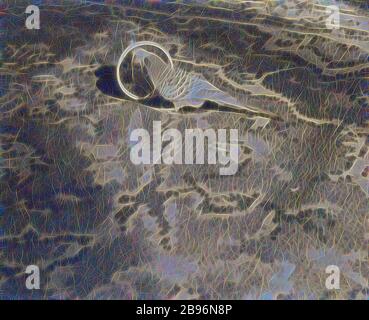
<point>125,53</point>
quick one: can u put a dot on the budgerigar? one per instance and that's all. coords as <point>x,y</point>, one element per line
<point>184,88</point>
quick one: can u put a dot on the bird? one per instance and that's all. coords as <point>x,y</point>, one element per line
<point>185,88</point>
